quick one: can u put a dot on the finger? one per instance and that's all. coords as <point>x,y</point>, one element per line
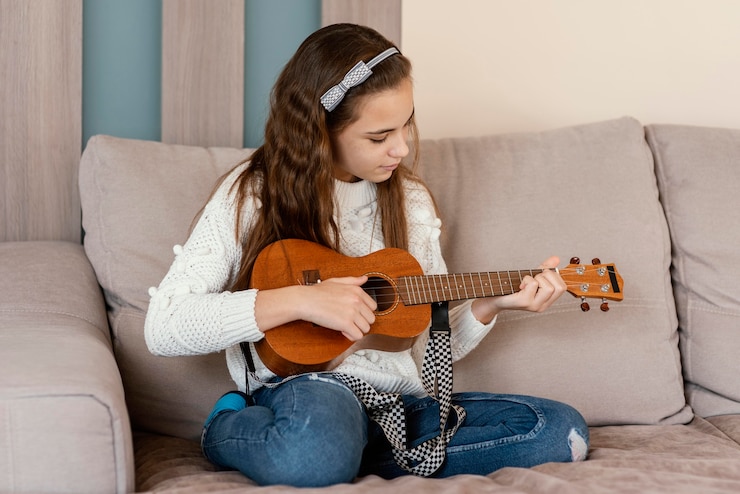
<point>550,275</point>
<point>550,263</point>
<point>357,281</point>
<point>527,281</point>
<point>544,287</point>
<point>554,279</point>
<point>528,288</point>
<point>349,280</point>
<point>546,295</point>
<point>361,323</point>
<point>368,316</point>
<point>358,326</point>
<point>353,334</point>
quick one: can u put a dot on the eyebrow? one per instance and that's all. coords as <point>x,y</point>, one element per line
<point>385,131</point>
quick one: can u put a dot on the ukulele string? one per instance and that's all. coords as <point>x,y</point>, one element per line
<point>382,291</point>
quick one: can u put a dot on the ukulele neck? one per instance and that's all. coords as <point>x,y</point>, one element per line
<point>429,289</point>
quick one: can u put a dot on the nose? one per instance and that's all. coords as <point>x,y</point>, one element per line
<point>400,148</point>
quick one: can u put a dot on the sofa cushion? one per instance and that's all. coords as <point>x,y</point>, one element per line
<point>509,202</point>
<point>698,172</point>
<point>139,199</point>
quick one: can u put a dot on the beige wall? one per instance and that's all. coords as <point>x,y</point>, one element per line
<point>490,66</point>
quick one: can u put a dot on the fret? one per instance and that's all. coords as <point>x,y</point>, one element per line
<point>482,285</point>
<point>427,290</point>
<point>500,282</point>
<point>416,290</point>
<point>405,293</point>
<point>519,277</point>
<point>408,299</point>
<point>420,289</point>
<point>400,285</point>
<point>472,285</point>
<point>446,291</point>
<point>436,288</point>
<point>457,287</point>
<point>490,282</point>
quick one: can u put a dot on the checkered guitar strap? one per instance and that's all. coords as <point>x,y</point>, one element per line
<point>388,411</point>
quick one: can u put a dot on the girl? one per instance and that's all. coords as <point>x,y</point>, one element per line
<point>332,171</point>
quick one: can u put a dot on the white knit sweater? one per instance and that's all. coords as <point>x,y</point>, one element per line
<point>191,312</point>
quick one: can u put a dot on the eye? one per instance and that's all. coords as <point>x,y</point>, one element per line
<point>379,140</point>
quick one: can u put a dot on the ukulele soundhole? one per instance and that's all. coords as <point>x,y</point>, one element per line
<point>383,291</point>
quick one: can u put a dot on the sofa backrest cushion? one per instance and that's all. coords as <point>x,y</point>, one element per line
<point>511,201</point>
<point>507,202</point>
<point>698,172</point>
<point>139,199</point>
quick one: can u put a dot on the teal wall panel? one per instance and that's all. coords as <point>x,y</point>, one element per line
<point>274,30</point>
<point>122,62</point>
<point>121,68</point>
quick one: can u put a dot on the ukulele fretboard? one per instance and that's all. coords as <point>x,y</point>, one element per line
<point>428,289</point>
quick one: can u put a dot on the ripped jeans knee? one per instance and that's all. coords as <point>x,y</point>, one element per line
<point>578,446</point>
<point>499,431</point>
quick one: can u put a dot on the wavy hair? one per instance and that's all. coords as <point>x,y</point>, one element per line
<point>292,173</point>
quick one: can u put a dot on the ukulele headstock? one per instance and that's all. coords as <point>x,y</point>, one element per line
<point>593,281</point>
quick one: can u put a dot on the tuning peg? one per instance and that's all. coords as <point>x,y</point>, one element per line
<point>575,260</point>
<point>595,260</point>
<point>584,305</point>
<point>604,305</point>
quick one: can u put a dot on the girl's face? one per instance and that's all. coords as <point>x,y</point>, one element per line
<point>372,146</point>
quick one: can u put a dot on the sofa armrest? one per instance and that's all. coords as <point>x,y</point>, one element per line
<point>64,426</point>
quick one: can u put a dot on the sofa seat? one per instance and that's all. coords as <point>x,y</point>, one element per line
<point>700,457</point>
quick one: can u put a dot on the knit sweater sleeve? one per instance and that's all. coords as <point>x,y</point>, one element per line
<point>424,245</point>
<point>192,312</point>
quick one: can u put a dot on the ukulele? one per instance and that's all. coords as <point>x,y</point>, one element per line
<point>403,295</point>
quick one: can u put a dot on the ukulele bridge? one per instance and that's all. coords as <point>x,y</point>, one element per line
<point>311,277</point>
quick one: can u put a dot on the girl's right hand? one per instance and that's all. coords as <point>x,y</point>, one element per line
<point>337,303</point>
<point>342,305</point>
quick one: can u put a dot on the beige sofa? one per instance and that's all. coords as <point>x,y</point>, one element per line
<point>84,407</point>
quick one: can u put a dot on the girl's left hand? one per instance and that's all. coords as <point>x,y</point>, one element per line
<point>536,294</point>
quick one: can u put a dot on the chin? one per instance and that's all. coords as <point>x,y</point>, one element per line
<point>382,179</point>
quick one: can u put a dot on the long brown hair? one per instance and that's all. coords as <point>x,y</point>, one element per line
<point>292,173</point>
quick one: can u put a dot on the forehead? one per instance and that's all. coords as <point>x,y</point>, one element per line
<point>387,109</point>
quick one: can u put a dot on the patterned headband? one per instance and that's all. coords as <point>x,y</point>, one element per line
<point>356,76</point>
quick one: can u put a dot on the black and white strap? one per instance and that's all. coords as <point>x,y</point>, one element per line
<point>387,409</point>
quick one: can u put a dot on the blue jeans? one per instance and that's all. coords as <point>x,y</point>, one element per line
<point>312,431</point>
